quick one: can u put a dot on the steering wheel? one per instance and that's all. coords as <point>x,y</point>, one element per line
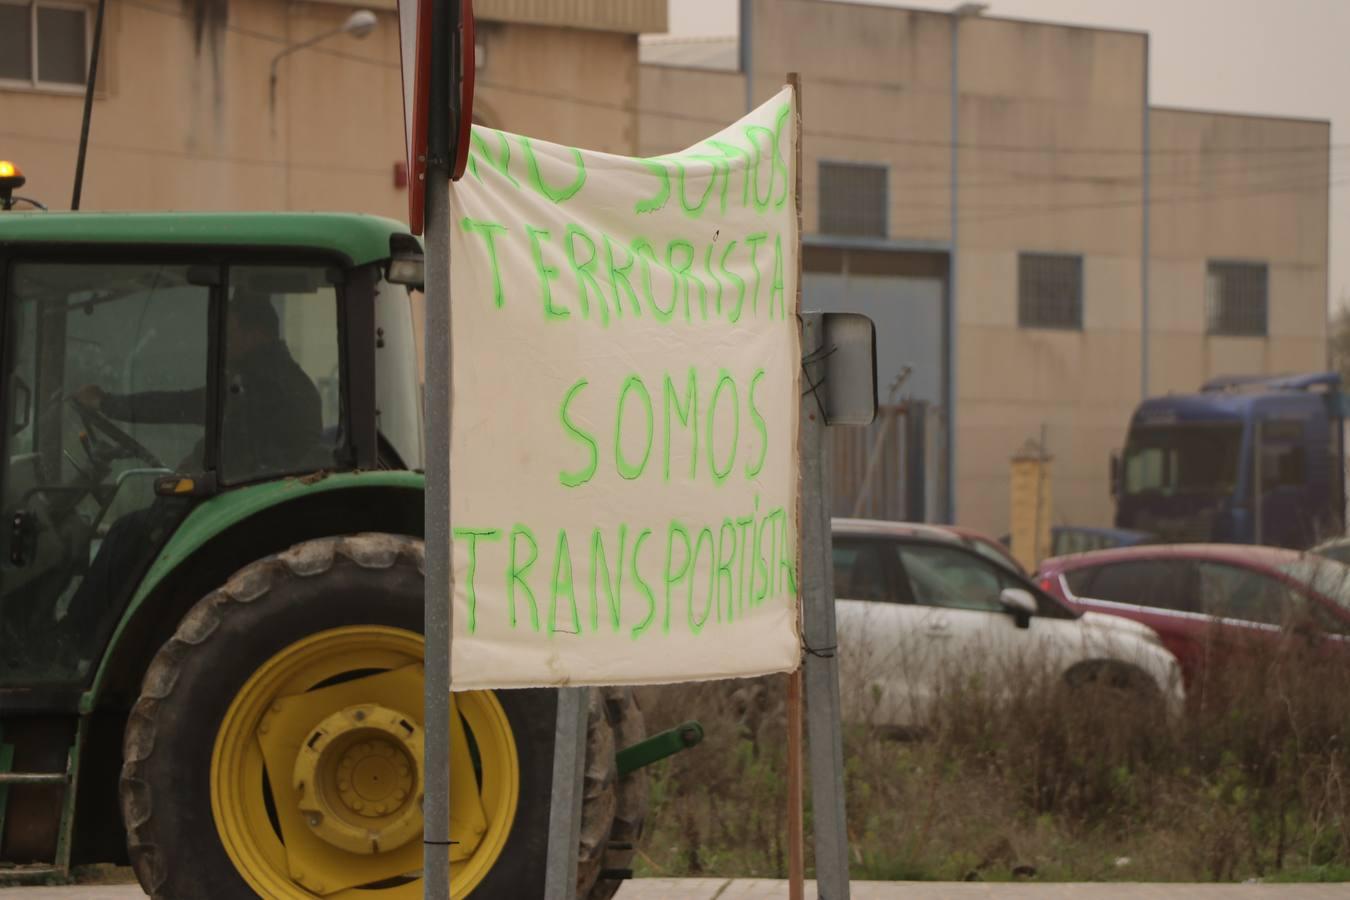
<point>129,447</point>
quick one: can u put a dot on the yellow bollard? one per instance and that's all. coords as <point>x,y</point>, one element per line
<point>1030,506</point>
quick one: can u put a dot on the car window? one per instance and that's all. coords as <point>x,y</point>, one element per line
<point>1080,581</point>
<point>993,554</point>
<point>1340,552</point>
<point>949,577</point>
<point>860,570</point>
<point>1160,584</point>
<point>1232,592</point>
<point>1067,541</point>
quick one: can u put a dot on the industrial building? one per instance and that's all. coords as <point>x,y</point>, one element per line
<point>1038,244</point>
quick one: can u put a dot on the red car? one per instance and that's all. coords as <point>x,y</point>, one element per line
<point>1204,599</point>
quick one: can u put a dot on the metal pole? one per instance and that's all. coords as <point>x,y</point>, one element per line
<point>747,53</point>
<point>949,498</point>
<point>1041,461</point>
<point>88,106</point>
<point>795,821</point>
<point>1145,246</point>
<point>440,586</point>
<point>1258,488</point>
<point>564,811</point>
<point>824,746</point>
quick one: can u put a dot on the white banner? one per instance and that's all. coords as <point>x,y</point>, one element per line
<point>624,463</point>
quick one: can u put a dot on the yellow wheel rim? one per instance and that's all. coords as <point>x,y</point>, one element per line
<point>317,773</point>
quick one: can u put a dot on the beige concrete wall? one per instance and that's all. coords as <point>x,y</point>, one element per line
<point>875,88</point>
<point>574,86</point>
<point>680,107</point>
<point>1230,187</point>
<point>187,124</point>
<point>1050,150</point>
<point>1037,104</point>
<point>1051,160</point>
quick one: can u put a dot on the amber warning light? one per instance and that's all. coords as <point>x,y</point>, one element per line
<point>11,178</point>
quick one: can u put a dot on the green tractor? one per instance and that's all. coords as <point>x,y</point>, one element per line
<point>211,576</point>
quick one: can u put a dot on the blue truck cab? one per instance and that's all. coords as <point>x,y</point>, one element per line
<point>1248,460</point>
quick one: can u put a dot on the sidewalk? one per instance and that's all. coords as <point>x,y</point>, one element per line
<point>763,889</point>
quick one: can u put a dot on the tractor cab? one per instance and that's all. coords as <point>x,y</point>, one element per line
<point>149,365</point>
<point>211,576</point>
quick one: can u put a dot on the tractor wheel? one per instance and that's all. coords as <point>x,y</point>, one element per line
<point>624,715</point>
<point>276,748</point>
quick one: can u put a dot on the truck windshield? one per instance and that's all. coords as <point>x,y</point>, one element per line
<point>1182,459</point>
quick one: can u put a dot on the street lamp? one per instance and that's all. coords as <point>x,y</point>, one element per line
<point>359,24</point>
<point>964,11</point>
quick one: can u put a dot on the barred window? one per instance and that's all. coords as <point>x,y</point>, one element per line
<point>853,199</point>
<point>1236,298</point>
<point>1049,291</point>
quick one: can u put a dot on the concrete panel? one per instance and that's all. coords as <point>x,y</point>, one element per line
<point>1176,363</point>
<point>883,45</point>
<point>1297,298</point>
<point>1046,366</point>
<point>1236,356</point>
<point>679,107</point>
<point>1240,186</point>
<point>1177,296</point>
<point>988,284</point>
<point>628,16</point>
<point>1002,58</point>
<point>568,85</point>
<point>1298,355</point>
<point>1112,299</point>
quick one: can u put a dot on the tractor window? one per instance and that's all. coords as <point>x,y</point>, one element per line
<point>106,379</point>
<point>398,394</point>
<point>282,410</point>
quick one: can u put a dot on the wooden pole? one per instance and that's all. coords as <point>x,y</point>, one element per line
<point>796,825</point>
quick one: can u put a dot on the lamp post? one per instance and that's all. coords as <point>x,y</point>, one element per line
<point>359,24</point>
<point>964,11</point>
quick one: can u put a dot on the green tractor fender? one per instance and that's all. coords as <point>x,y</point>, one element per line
<point>227,532</point>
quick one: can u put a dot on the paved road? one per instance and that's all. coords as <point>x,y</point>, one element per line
<point>757,889</point>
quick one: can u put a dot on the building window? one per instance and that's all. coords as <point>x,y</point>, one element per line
<point>1049,291</point>
<point>43,44</point>
<point>1236,298</point>
<point>852,199</point>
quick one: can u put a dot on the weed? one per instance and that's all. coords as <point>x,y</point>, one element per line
<point>1020,775</point>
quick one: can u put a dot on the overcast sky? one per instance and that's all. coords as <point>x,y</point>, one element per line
<point>1278,57</point>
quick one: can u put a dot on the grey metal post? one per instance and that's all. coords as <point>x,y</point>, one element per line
<point>564,811</point>
<point>824,746</point>
<point>949,489</point>
<point>1145,249</point>
<point>1258,484</point>
<point>438,611</point>
<point>747,52</point>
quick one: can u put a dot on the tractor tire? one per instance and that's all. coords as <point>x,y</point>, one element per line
<point>630,816</point>
<point>329,632</point>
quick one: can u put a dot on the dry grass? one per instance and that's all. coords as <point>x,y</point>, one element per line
<point>1034,780</point>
